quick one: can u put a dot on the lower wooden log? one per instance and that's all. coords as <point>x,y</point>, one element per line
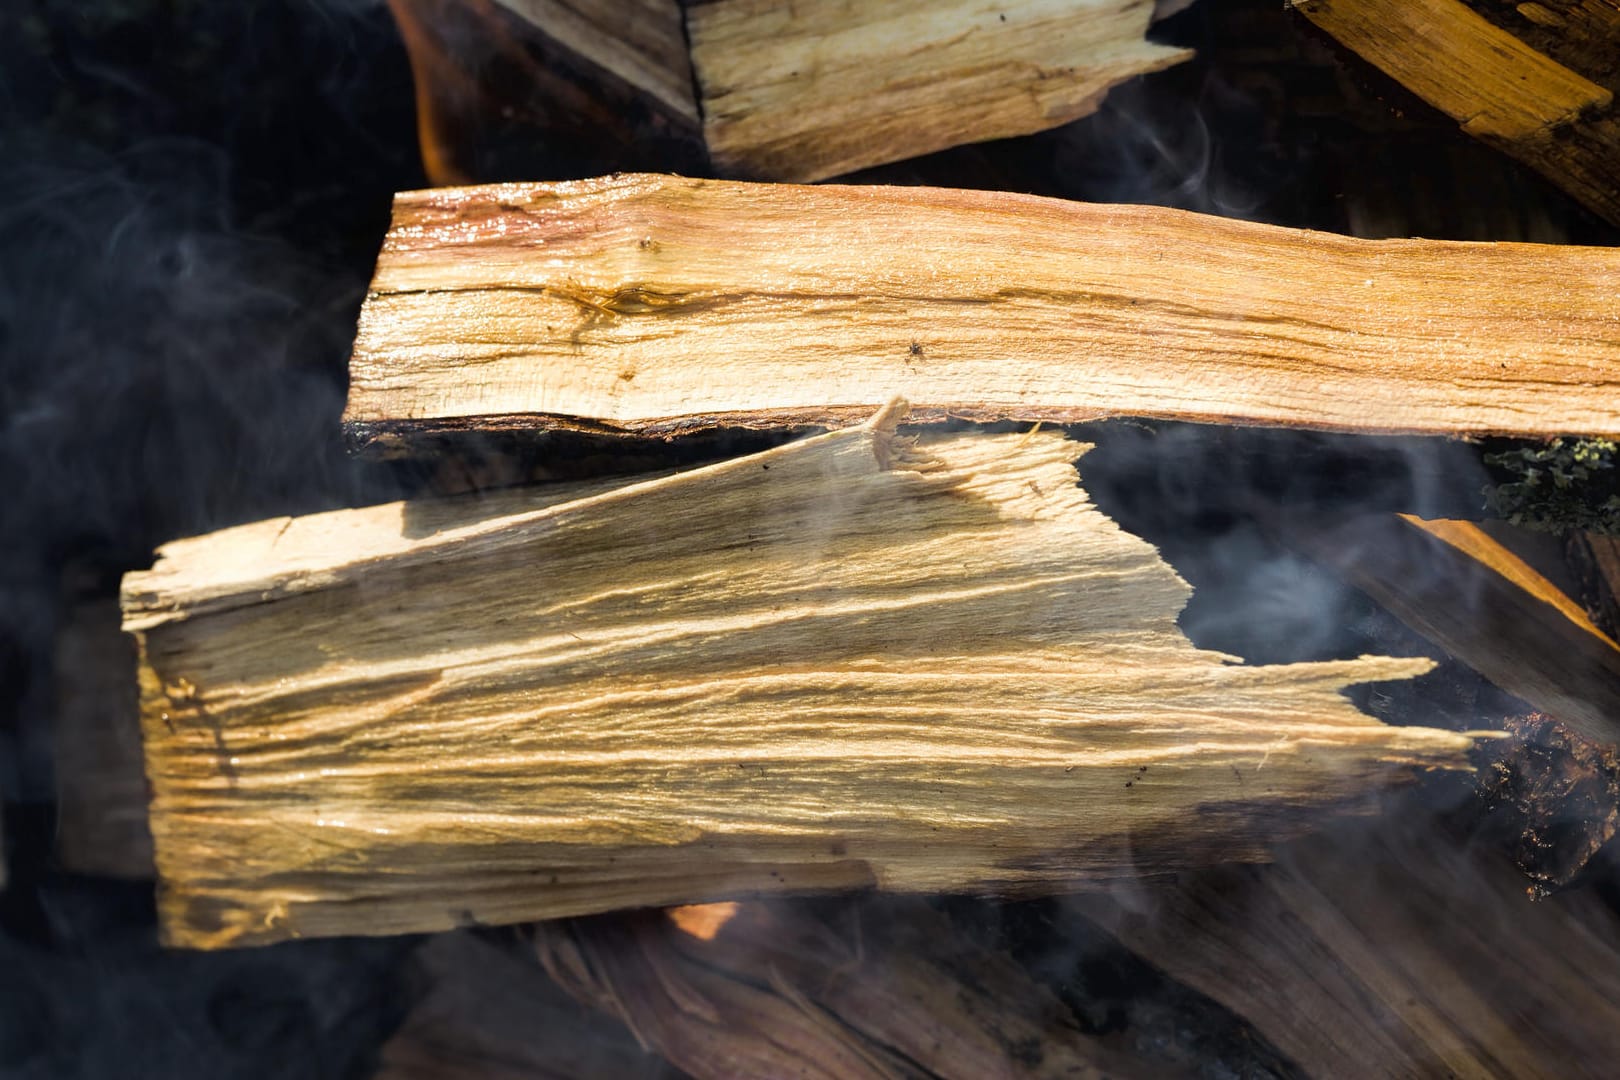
<point>871,989</point>
<point>491,1014</point>
<point>1370,954</point>
<point>851,661</point>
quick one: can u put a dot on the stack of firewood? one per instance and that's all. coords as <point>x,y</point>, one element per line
<point>719,738</point>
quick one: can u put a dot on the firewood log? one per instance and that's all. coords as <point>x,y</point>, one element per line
<point>101,823</point>
<point>848,661</point>
<point>872,989</point>
<point>657,304</point>
<point>1535,80</point>
<point>491,1013</point>
<point>1391,952</point>
<point>813,89</point>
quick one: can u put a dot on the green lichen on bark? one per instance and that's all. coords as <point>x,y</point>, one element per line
<point>1558,486</point>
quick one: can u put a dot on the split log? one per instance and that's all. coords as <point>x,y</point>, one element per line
<point>655,304</point>
<point>874,989</point>
<point>101,795</point>
<point>492,1014</point>
<point>822,87</point>
<point>1392,956</point>
<point>1463,590</point>
<point>845,662</point>
<point>1535,80</point>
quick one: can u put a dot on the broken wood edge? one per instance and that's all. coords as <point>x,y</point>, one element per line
<point>148,603</point>
<point>1434,576</point>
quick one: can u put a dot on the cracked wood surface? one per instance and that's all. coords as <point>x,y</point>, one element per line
<point>656,304</point>
<point>849,661</point>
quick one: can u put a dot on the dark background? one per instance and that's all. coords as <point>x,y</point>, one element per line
<point>192,194</point>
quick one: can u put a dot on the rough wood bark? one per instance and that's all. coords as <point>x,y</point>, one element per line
<point>871,989</point>
<point>849,661</point>
<point>1392,956</point>
<point>657,304</point>
<point>1457,586</point>
<point>490,1013</point>
<point>822,87</point>
<point>101,822</point>
<point>1536,80</point>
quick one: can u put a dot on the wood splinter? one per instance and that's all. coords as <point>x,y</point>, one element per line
<point>793,671</point>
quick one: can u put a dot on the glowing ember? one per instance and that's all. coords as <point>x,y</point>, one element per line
<point>703,921</point>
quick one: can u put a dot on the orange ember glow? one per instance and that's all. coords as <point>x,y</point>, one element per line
<point>703,921</point>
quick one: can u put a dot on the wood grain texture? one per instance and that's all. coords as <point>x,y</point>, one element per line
<point>817,88</point>
<point>1562,121</point>
<point>845,662</point>
<point>657,304</point>
<point>1392,956</point>
<point>879,989</point>
<point>490,1013</point>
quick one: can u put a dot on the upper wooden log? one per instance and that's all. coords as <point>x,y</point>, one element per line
<point>657,304</point>
<point>817,88</point>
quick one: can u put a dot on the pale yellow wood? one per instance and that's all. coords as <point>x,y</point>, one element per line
<point>816,88</point>
<point>653,303</point>
<point>640,41</point>
<point>847,661</point>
